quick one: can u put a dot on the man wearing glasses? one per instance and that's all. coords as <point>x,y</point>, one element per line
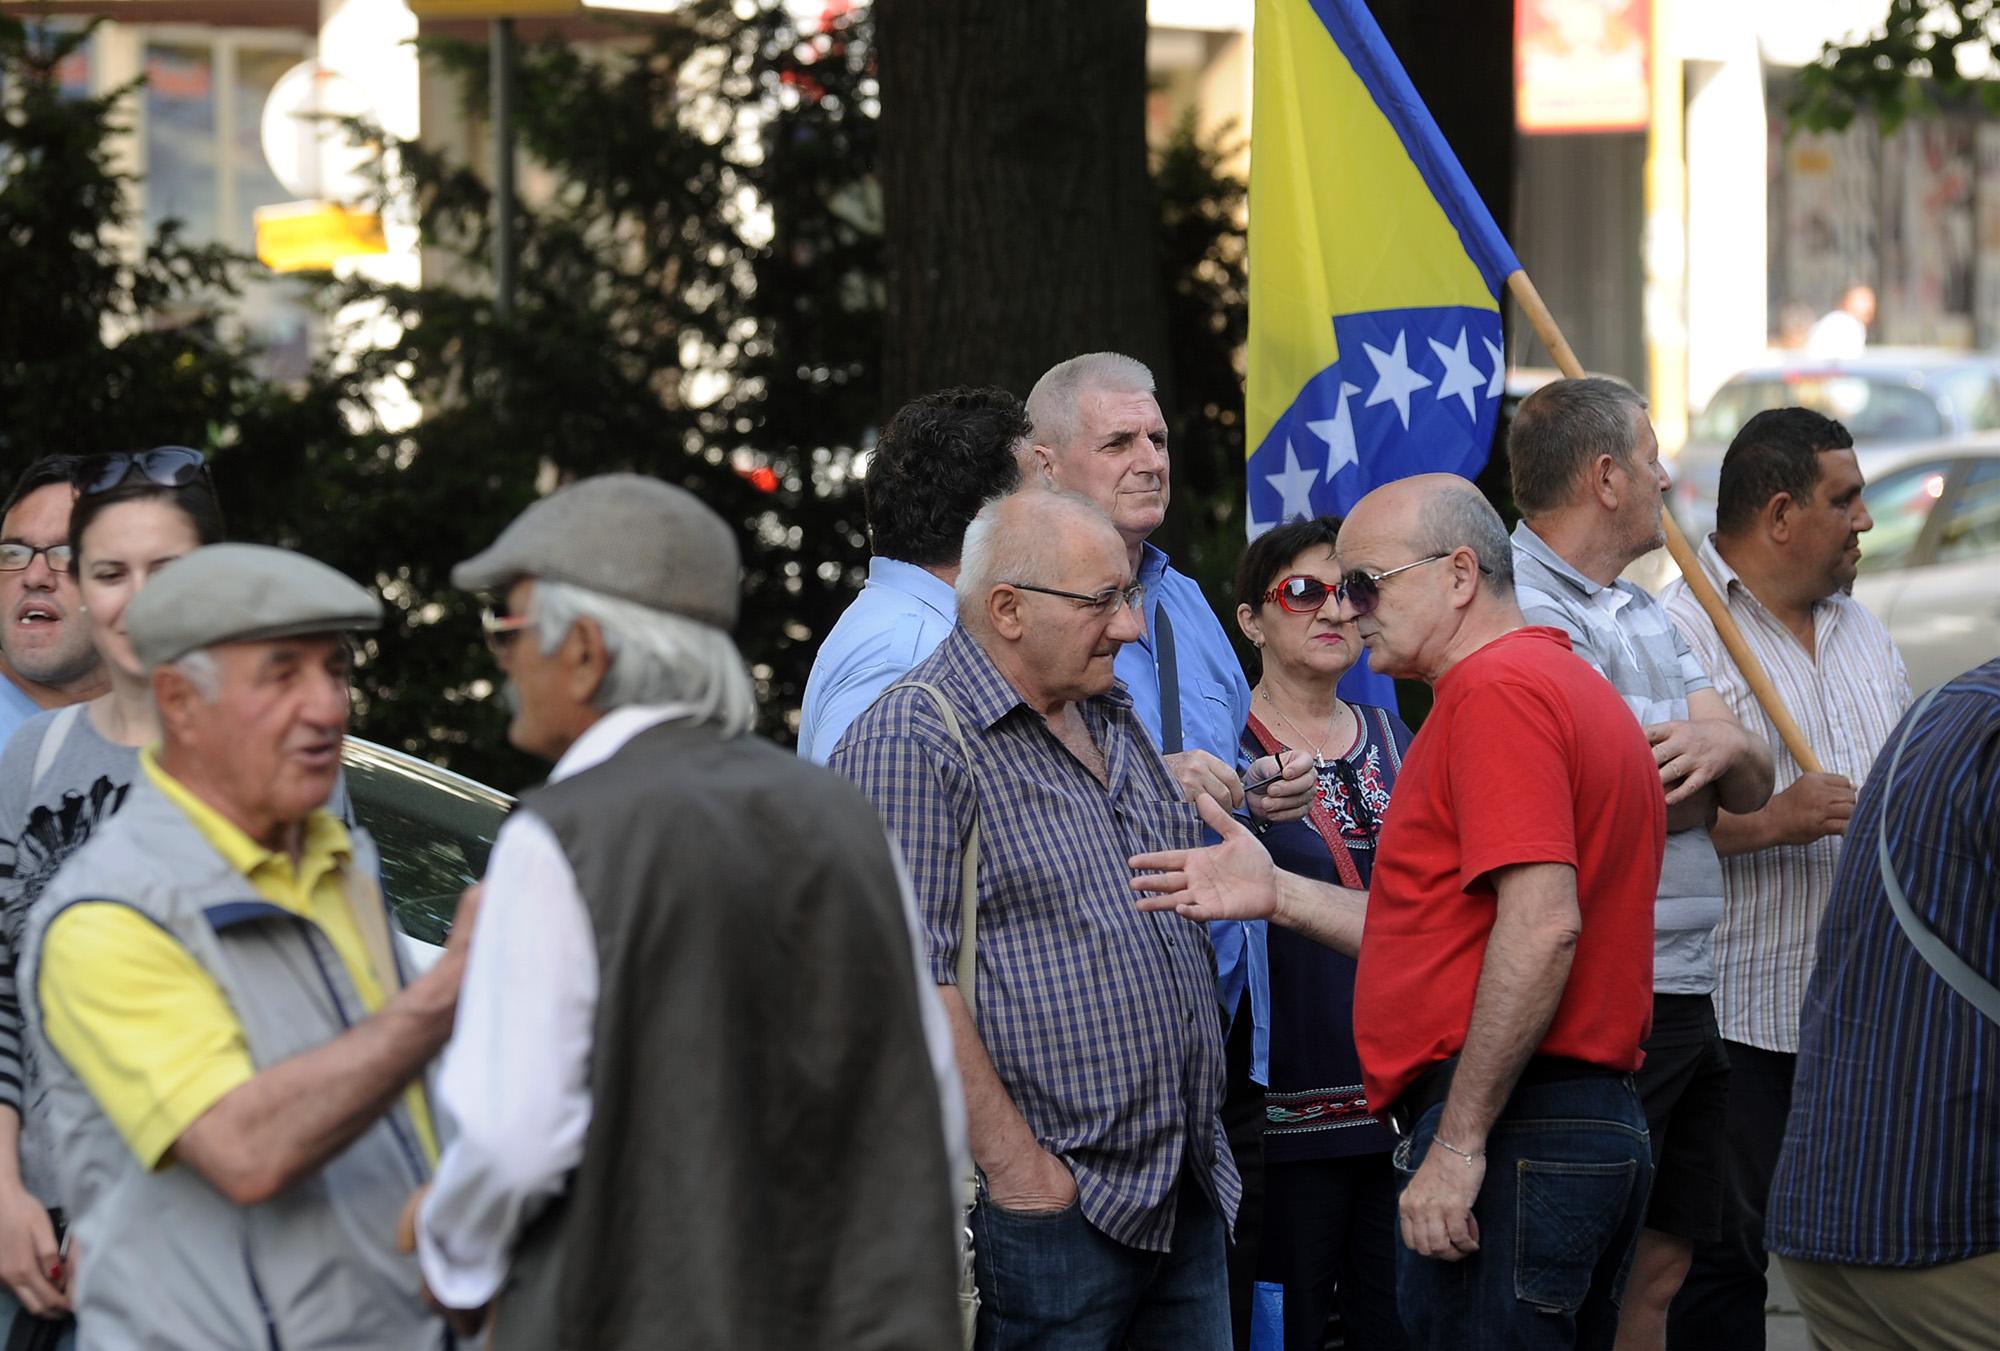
<point>46,657</point>
<point>1504,980</point>
<point>1087,1041</point>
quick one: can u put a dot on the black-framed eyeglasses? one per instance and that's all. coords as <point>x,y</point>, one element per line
<point>14,556</point>
<point>501,630</point>
<point>1361,591</point>
<point>1102,603</point>
<point>167,466</point>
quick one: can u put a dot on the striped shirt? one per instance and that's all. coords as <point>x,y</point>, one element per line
<point>1629,638</point>
<point>1100,1019</point>
<point>1845,695</point>
<point>1892,1154</point>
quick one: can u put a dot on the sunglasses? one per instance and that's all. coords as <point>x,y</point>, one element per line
<point>501,630</point>
<point>1100,604</point>
<point>1360,591</point>
<point>167,466</point>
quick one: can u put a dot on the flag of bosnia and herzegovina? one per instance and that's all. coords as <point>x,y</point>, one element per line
<point>1375,272</point>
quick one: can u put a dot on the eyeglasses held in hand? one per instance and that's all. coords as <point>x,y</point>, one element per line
<point>500,630</point>
<point>1102,603</point>
<point>14,557</point>
<point>167,466</point>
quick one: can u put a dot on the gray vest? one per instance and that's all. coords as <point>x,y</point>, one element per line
<point>164,1259</point>
<point>765,1163</point>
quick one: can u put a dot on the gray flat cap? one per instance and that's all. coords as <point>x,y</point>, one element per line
<point>623,535</point>
<point>233,593</point>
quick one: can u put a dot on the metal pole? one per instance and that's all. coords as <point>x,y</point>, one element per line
<point>502,81</point>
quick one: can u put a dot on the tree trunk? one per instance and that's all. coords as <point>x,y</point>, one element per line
<point>1020,225</point>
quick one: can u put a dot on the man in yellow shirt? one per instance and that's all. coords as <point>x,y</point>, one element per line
<point>232,1058</point>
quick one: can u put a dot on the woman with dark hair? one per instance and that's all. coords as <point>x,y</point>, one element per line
<point>1330,1216</point>
<point>63,774</point>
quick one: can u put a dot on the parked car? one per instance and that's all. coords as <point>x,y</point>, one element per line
<point>434,830</point>
<point>1895,402</point>
<point>1931,566</point>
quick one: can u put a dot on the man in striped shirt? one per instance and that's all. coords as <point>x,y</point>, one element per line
<point>1789,520</point>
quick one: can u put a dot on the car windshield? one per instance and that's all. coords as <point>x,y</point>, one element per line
<point>433,832</point>
<point>1901,504</point>
<point>1873,408</point>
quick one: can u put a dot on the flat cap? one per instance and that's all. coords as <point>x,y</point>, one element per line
<point>623,535</point>
<point>233,593</point>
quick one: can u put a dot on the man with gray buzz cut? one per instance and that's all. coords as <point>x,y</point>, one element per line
<point>1588,479</point>
<point>702,1097</point>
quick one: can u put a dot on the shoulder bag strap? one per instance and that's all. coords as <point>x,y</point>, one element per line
<point>1954,970</point>
<point>52,743</point>
<point>1329,829</point>
<point>968,861</point>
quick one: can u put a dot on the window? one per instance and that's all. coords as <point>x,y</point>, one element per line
<point>1870,407</point>
<point>1901,503</point>
<point>1973,528</point>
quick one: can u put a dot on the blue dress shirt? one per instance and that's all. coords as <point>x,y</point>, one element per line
<point>901,615</point>
<point>1215,708</point>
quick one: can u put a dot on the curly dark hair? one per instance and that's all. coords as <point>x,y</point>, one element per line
<point>1272,551</point>
<point>1776,452</point>
<point>941,458</point>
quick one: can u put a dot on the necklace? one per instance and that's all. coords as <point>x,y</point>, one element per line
<point>1319,757</point>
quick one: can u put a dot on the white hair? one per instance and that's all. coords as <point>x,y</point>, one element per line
<point>202,671</point>
<point>1015,539</point>
<point>656,658</point>
<point>1052,403</point>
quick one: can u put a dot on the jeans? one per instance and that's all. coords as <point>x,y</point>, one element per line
<point>1053,1281</point>
<point>1568,1170</point>
<point>1330,1241</point>
<point>59,1336</point>
<point>1243,1125</point>
<point>1721,1303</point>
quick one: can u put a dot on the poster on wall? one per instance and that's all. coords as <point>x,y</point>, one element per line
<point>1928,247</point>
<point>1986,237</point>
<point>1831,223</point>
<point>1581,65</point>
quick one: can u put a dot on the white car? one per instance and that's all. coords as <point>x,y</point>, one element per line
<point>1931,566</point>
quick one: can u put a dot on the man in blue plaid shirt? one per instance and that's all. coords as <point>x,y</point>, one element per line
<point>1093,1068</point>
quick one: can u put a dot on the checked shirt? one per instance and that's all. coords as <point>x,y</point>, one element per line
<point>1100,1019</point>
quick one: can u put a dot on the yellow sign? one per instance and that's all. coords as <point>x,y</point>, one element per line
<point>313,236</point>
<point>494,9</point>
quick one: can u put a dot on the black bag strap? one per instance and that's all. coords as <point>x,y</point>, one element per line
<point>1170,681</point>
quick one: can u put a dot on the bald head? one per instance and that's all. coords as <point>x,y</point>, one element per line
<point>1443,569</point>
<point>1029,537</point>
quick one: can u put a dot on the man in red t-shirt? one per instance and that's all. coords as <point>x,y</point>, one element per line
<point>1505,977</point>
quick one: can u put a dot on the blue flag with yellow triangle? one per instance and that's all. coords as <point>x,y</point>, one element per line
<point>1375,274</point>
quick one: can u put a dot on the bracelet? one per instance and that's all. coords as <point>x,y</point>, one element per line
<point>1470,1159</point>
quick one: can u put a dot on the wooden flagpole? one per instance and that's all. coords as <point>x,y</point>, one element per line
<point>1530,301</point>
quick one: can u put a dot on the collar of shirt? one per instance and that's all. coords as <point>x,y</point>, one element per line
<point>919,584</point>
<point>1538,549</point>
<point>987,696</point>
<point>1827,611</point>
<point>608,735</point>
<point>325,846</point>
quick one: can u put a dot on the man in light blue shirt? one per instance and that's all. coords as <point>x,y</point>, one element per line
<point>940,459</point>
<point>1099,432</point>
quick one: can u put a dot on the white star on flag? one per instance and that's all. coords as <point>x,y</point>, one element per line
<point>1461,377</point>
<point>1394,380</point>
<point>1338,433</point>
<point>1294,486</point>
<point>1498,385</point>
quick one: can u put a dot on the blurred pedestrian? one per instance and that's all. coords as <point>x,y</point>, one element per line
<point>940,459</point>
<point>1502,988</point>
<point>695,1097</point>
<point>46,658</point>
<point>1885,1206</point>
<point>1330,1224</point>
<point>63,775</point>
<point>1099,432</point>
<point>1843,330</point>
<point>1789,520</point>
<point>232,1060</point>
<point>1587,476</point>
<point>1090,1049</point>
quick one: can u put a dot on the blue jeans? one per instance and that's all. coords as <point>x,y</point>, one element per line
<point>1568,1170</point>
<point>1052,1280</point>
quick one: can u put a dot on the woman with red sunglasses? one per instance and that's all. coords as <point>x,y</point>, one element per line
<point>1329,1223</point>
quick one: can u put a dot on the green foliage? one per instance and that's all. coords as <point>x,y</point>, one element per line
<point>1907,66</point>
